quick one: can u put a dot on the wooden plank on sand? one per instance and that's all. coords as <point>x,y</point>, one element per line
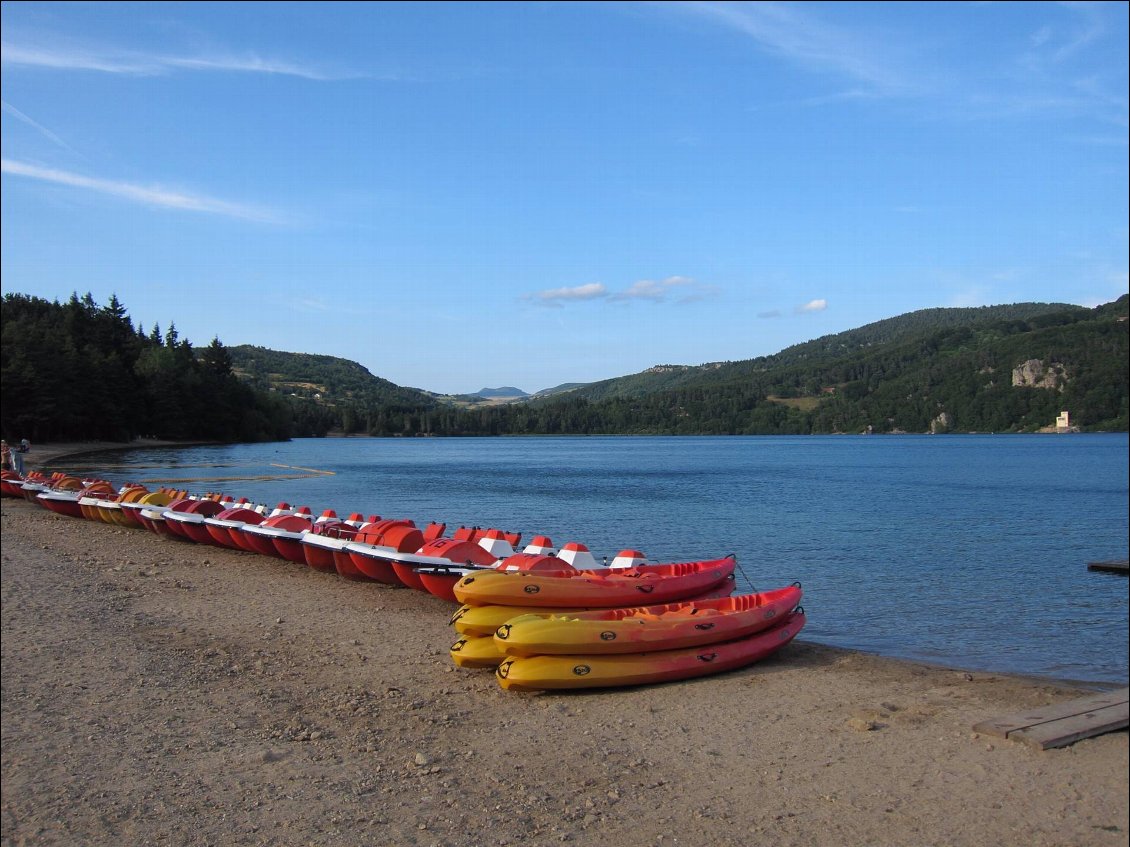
<point>1063,723</point>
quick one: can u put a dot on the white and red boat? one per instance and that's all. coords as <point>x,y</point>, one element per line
<point>280,535</point>
<point>225,527</point>
<point>188,522</point>
<point>62,496</point>
<point>324,545</point>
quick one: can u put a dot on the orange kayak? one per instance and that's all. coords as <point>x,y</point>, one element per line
<point>484,620</point>
<point>648,628</point>
<point>596,589</point>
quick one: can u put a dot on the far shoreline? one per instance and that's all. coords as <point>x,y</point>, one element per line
<point>46,453</point>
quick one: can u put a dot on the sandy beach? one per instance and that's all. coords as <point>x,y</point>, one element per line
<point>163,693</point>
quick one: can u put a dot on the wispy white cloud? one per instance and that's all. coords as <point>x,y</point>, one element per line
<point>66,55</point>
<point>812,306</point>
<point>681,289</point>
<point>154,196</point>
<point>799,37</point>
<point>249,63</point>
<point>1041,36</point>
<point>1055,70</point>
<point>20,116</point>
<point>1059,72</point>
<point>1085,26</point>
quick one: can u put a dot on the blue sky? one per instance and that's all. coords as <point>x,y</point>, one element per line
<point>464,195</point>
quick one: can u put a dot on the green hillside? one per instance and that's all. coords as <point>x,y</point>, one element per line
<point>939,370</point>
<point>992,369</point>
<point>315,377</point>
<point>889,331</point>
<point>82,371</point>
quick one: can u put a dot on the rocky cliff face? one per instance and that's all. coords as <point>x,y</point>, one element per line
<point>1035,374</point>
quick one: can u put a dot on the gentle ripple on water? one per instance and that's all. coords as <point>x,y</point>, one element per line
<point>968,551</point>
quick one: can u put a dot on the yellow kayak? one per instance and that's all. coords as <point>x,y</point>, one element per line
<point>536,673</point>
<point>647,628</point>
<point>476,651</point>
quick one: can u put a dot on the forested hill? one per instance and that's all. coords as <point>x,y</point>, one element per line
<point>986,371</point>
<point>319,377</point>
<point>903,328</point>
<point>1000,369</point>
<point>915,324</point>
<point>81,371</point>
<point>999,374</point>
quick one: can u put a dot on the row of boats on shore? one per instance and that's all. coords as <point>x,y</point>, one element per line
<point>542,617</point>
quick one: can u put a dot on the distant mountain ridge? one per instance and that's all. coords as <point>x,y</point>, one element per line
<point>84,372</point>
<point>504,392</point>
<point>930,370</point>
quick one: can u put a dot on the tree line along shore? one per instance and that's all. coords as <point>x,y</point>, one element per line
<point>80,371</point>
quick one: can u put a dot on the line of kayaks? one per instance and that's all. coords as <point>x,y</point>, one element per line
<point>541,617</point>
<point>393,551</point>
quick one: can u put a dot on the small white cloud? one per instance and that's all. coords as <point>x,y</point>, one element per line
<point>686,290</point>
<point>557,296</point>
<point>145,195</point>
<point>649,289</point>
<point>772,313</point>
<point>812,306</point>
<point>645,289</point>
<point>681,289</point>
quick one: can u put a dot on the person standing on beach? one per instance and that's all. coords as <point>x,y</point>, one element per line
<point>6,455</point>
<point>16,460</point>
<point>17,455</point>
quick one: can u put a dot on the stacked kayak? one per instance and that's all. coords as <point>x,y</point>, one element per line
<point>601,670</point>
<point>536,585</point>
<point>607,639</point>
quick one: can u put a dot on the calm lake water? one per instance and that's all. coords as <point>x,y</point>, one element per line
<point>967,551</point>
